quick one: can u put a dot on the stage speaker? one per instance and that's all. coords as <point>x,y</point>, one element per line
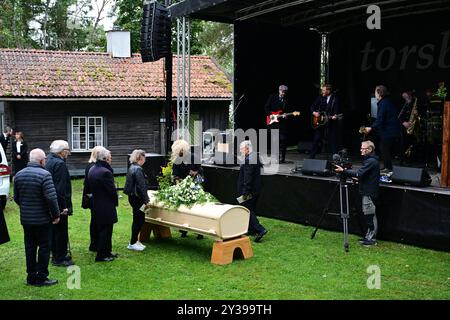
<point>418,177</point>
<point>316,167</point>
<point>156,32</point>
<point>152,168</point>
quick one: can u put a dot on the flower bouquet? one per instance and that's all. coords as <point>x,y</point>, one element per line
<point>187,193</point>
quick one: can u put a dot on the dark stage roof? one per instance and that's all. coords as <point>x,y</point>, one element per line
<point>325,15</point>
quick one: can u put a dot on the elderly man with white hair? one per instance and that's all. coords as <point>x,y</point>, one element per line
<point>56,165</point>
<point>35,194</point>
<point>249,187</point>
<point>104,202</point>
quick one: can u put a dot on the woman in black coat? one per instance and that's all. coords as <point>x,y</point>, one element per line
<point>136,188</point>
<point>86,200</point>
<point>19,153</point>
<point>104,203</point>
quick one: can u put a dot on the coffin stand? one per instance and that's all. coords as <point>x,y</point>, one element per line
<point>227,224</point>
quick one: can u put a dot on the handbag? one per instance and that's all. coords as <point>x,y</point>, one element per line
<point>86,201</point>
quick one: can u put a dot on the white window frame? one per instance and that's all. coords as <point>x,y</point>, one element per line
<point>87,133</point>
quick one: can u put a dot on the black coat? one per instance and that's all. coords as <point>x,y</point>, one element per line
<point>4,235</point>
<point>182,166</point>
<point>61,178</point>
<point>136,183</point>
<point>104,193</point>
<point>19,164</point>
<point>368,176</point>
<point>4,141</point>
<point>387,123</point>
<point>321,105</point>
<point>275,104</point>
<point>86,198</point>
<point>249,181</point>
<point>35,194</point>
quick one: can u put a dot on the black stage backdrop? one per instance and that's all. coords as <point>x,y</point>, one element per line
<point>266,56</point>
<point>411,52</point>
<point>407,216</point>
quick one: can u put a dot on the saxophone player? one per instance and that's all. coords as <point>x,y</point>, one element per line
<point>408,116</point>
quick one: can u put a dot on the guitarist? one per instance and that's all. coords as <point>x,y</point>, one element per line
<point>276,103</point>
<point>326,103</point>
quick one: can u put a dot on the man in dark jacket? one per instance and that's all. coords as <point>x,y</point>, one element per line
<point>104,202</point>
<point>56,165</point>
<point>388,127</point>
<point>368,179</point>
<point>326,104</point>
<point>277,104</point>
<point>249,187</point>
<point>35,194</point>
<point>5,137</point>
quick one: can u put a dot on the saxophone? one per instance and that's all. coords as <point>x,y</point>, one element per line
<point>413,118</point>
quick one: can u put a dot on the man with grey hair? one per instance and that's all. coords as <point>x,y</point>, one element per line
<point>35,194</point>
<point>104,202</point>
<point>56,165</point>
<point>249,187</point>
<point>276,105</point>
<point>387,126</point>
<point>368,177</point>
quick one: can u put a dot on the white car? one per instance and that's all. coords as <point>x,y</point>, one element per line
<point>5,172</point>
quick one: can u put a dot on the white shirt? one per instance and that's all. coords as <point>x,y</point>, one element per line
<point>328,99</point>
<point>18,145</point>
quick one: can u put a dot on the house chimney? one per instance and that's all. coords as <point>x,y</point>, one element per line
<point>118,43</point>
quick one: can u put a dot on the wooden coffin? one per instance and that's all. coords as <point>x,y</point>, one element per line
<point>220,221</point>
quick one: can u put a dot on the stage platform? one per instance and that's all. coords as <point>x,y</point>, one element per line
<point>406,214</point>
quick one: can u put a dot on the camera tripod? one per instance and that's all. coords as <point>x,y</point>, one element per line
<point>344,207</point>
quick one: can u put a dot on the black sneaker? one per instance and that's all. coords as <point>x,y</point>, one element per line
<point>260,235</point>
<point>62,263</point>
<point>107,259</point>
<point>45,283</point>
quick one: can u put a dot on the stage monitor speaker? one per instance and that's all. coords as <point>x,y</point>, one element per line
<point>418,177</point>
<point>156,34</point>
<point>316,167</point>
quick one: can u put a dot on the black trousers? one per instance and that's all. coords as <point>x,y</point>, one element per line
<point>331,133</point>
<point>4,235</point>
<point>282,140</point>
<point>104,244</point>
<point>389,147</point>
<point>138,217</point>
<point>254,226</point>
<point>93,232</point>
<point>37,251</point>
<point>60,239</point>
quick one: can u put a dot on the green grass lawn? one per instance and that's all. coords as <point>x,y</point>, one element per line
<point>287,264</point>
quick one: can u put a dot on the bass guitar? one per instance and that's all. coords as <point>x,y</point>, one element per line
<point>322,119</point>
<point>274,116</point>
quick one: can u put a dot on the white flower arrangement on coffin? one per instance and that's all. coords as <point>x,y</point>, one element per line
<point>187,193</point>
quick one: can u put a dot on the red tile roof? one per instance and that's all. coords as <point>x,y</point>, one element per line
<point>59,74</point>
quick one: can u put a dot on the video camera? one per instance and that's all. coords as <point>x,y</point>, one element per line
<point>341,159</point>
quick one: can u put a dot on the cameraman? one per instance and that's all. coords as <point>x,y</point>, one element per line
<point>368,177</point>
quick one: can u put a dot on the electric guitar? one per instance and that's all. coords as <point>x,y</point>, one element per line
<point>322,119</point>
<point>274,116</point>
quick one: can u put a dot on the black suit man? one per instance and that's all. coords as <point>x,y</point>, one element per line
<point>249,187</point>
<point>326,103</point>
